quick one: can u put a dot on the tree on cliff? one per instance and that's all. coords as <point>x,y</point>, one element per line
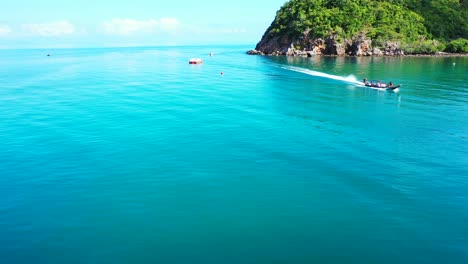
<point>446,19</point>
<point>412,23</point>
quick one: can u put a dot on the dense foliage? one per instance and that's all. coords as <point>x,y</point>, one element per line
<point>446,19</point>
<point>458,46</point>
<point>414,23</point>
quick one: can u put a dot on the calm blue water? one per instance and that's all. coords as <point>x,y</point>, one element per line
<point>134,156</point>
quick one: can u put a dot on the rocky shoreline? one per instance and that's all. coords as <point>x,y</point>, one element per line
<point>330,46</point>
<point>311,54</point>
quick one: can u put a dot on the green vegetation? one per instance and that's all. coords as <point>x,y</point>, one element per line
<point>444,19</point>
<point>458,46</point>
<point>421,26</point>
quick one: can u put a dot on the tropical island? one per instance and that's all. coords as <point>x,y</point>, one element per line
<point>367,28</point>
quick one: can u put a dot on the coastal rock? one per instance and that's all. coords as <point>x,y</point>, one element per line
<point>292,51</point>
<point>314,52</point>
<point>392,48</point>
<point>255,52</point>
<point>305,46</point>
<point>361,46</point>
<point>332,47</point>
<point>317,46</point>
<point>278,45</point>
<point>377,52</point>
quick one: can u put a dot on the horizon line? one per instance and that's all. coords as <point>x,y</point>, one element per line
<point>122,46</point>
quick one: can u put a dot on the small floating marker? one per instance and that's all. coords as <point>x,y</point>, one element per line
<point>48,54</point>
<point>222,73</point>
<point>195,61</point>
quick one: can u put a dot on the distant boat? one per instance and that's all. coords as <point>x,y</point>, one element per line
<point>374,84</point>
<point>195,61</point>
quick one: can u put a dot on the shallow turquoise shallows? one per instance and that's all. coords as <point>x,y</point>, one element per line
<point>131,155</point>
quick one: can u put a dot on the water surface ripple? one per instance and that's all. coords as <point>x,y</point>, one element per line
<point>132,155</point>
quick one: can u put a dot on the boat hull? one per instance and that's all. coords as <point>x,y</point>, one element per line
<point>394,89</point>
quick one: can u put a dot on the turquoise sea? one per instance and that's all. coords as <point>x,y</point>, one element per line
<point>131,155</point>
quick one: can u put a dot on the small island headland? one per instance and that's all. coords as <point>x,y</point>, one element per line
<point>366,28</point>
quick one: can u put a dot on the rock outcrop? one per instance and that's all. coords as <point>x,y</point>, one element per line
<point>305,46</point>
<point>360,46</point>
<point>392,48</point>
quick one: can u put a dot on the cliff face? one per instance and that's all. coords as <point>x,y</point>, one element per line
<point>307,47</point>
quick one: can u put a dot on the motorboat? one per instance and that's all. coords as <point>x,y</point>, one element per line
<point>381,85</point>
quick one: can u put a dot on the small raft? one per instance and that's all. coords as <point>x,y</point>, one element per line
<point>195,61</point>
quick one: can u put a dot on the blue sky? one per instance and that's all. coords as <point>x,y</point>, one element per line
<point>110,23</point>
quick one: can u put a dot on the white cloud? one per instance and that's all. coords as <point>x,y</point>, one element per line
<point>56,28</point>
<point>127,26</point>
<point>169,24</point>
<point>4,30</point>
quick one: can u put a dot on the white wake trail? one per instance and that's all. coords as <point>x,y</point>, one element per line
<point>349,79</point>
